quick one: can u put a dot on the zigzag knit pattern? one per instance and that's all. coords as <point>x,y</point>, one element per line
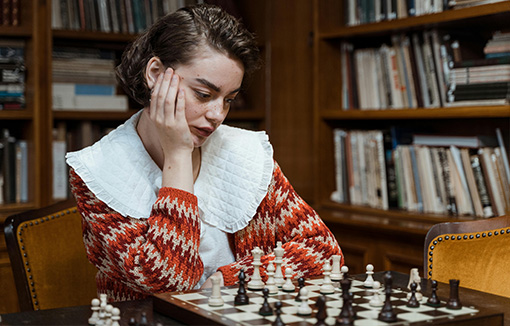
<point>137,257</point>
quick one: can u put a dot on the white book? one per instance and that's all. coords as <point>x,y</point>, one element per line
<point>60,179</point>
<point>340,194</point>
<point>21,171</point>
<point>420,68</point>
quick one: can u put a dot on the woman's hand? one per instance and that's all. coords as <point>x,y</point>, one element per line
<point>208,283</point>
<point>167,112</point>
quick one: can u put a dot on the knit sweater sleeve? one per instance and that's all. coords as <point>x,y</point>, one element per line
<point>152,255</point>
<point>283,216</point>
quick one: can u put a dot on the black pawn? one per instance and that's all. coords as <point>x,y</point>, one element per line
<point>278,320</point>
<point>413,302</point>
<point>241,298</point>
<point>321,314</point>
<point>345,317</point>
<point>351,302</point>
<point>433,301</point>
<point>301,284</point>
<point>387,314</point>
<point>132,321</point>
<point>266,309</point>
<point>453,301</point>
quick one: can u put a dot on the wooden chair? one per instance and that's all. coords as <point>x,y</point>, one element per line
<point>475,252</point>
<point>48,258</point>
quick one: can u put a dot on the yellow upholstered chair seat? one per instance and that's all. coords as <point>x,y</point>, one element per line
<point>475,252</point>
<point>49,260</point>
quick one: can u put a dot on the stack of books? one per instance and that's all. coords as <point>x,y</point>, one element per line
<point>12,76</point>
<point>484,81</point>
<point>84,79</point>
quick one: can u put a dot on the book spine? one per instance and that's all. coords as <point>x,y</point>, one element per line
<point>481,186</point>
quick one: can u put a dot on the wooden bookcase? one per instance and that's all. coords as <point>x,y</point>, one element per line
<point>389,239</point>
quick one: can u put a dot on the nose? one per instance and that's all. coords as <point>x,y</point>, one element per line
<point>217,111</point>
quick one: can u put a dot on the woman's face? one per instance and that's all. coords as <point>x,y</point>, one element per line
<point>211,82</point>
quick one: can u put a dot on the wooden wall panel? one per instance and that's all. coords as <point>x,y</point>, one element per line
<point>8,296</point>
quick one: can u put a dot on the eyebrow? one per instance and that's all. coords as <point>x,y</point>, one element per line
<point>212,86</point>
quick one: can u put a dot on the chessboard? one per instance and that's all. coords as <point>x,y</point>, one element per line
<point>192,307</point>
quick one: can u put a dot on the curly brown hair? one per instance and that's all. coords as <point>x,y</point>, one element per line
<point>175,40</point>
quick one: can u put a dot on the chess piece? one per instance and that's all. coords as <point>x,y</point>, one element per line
<point>304,308</point>
<point>215,300</point>
<point>345,317</point>
<point>143,320</point>
<point>454,301</point>
<point>321,314</point>
<point>301,284</point>
<point>108,315</point>
<point>433,300</point>
<point>369,281</point>
<point>288,286</point>
<point>256,284</point>
<point>132,321</point>
<point>336,274</point>
<point>413,301</point>
<point>344,271</point>
<point>376,301</point>
<point>265,309</point>
<point>278,320</point>
<point>387,314</point>
<point>414,276</point>
<point>278,254</point>
<point>241,298</point>
<point>327,286</point>
<point>95,311</point>
<point>270,284</point>
<point>115,317</point>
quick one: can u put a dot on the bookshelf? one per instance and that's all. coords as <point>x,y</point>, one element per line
<point>396,235</point>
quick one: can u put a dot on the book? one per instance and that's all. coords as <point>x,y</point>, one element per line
<point>341,192</point>
<point>471,182</point>
<point>21,171</point>
<point>454,140</point>
<point>494,191</point>
<point>9,166</point>
<point>481,186</point>
<point>60,178</point>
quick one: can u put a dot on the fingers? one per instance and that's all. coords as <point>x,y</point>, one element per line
<point>180,106</point>
<point>163,97</point>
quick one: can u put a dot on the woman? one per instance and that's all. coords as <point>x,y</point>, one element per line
<point>172,197</point>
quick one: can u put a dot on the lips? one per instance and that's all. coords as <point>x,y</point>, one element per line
<point>204,132</point>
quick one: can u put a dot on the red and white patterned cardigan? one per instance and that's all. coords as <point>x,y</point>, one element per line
<point>137,257</point>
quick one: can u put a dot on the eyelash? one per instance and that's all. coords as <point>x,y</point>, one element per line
<point>204,96</point>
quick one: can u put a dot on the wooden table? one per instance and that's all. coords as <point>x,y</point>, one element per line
<point>491,305</point>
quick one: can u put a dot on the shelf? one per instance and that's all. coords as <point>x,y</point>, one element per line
<point>93,115</point>
<point>9,209</point>
<point>93,36</point>
<point>16,31</point>
<point>22,114</point>
<point>439,113</point>
<point>445,17</point>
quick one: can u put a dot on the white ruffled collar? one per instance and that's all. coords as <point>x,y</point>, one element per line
<point>235,173</point>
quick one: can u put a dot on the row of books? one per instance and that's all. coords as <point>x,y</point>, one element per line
<point>424,176</point>
<point>10,12</point>
<point>84,79</point>
<point>486,79</point>
<point>357,12</point>
<point>111,16</point>
<point>13,169</point>
<point>12,74</point>
<point>412,72</point>
<point>71,137</point>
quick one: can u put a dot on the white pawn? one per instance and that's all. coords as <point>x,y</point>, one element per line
<point>288,286</point>
<point>270,284</point>
<point>278,254</point>
<point>95,311</point>
<point>115,317</point>
<point>256,281</point>
<point>215,300</point>
<point>108,315</point>
<point>369,282</point>
<point>336,275</point>
<point>376,301</point>
<point>344,270</point>
<point>304,308</point>
<point>327,286</point>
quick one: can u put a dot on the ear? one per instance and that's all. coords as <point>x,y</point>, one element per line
<point>152,70</point>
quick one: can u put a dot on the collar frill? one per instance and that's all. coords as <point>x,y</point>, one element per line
<point>235,174</point>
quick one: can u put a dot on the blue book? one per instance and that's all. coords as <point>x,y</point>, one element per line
<point>94,89</point>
